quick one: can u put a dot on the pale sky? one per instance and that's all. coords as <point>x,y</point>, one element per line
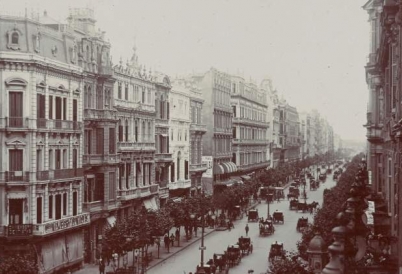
<point>313,50</point>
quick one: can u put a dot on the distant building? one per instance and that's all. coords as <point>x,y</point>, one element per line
<point>179,143</point>
<point>215,87</point>
<point>250,140</point>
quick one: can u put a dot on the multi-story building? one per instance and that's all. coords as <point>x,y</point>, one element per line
<point>272,118</point>
<point>197,130</point>
<point>384,115</point>
<point>179,125</point>
<point>100,154</point>
<point>250,142</point>
<point>41,130</point>
<point>304,138</point>
<point>134,100</point>
<point>217,142</point>
<point>163,155</point>
<point>291,134</point>
<point>276,146</point>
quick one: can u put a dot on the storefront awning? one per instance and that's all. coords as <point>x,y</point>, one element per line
<point>17,195</point>
<point>111,220</point>
<point>237,180</point>
<point>218,169</point>
<point>150,204</point>
<point>229,167</point>
<point>246,177</point>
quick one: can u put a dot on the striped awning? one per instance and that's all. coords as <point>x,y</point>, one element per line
<point>218,169</point>
<point>229,167</point>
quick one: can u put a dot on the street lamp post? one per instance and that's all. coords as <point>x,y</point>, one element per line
<point>201,270</point>
<point>269,199</point>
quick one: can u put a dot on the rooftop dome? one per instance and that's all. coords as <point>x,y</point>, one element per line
<point>317,245</point>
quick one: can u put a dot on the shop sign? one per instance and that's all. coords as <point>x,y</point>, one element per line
<point>66,223</point>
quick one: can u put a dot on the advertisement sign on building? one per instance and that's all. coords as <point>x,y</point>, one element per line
<point>208,160</point>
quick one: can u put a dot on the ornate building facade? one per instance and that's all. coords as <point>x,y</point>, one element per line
<point>42,180</point>
<point>179,124</point>
<point>384,114</point>
<point>215,87</point>
<point>250,143</point>
<point>197,131</point>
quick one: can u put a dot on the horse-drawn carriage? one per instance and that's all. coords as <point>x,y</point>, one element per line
<point>313,185</point>
<point>301,223</point>
<point>263,193</point>
<point>277,217</point>
<point>329,171</point>
<point>207,269</point>
<point>293,203</point>
<point>245,244</point>
<point>302,207</point>
<point>293,192</point>
<point>237,212</point>
<point>253,215</point>
<point>233,253</point>
<point>276,252</point>
<point>220,263</point>
<point>266,227</point>
<point>322,177</point>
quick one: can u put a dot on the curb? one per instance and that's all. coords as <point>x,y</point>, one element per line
<point>178,251</point>
<point>185,247</point>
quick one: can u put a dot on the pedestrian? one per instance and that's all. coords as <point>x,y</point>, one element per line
<point>171,239</point>
<point>229,226</point>
<point>101,266</point>
<point>177,236</point>
<point>166,241</point>
<point>247,229</point>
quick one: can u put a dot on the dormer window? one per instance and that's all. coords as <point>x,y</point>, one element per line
<point>14,38</point>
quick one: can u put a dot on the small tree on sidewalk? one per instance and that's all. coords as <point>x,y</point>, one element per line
<point>19,264</point>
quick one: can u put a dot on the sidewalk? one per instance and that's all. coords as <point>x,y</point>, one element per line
<point>163,254</point>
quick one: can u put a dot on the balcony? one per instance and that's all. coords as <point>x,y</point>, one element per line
<point>100,159</point>
<point>161,122</point>
<point>64,125</point>
<point>100,114</point>
<point>163,157</point>
<point>198,127</point>
<point>61,225</point>
<point>42,175</point>
<point>135,193</point>
<point>93,206</point>
<point>374,134</point>
<point>198,167</point>
<point>15,176</point>
<point>250,142</point>
<point>17,231</point>
<point>180,184</point>
<point>66,173</point>
<point>133,146</point>
<point>223,131</point>
<point>245,121</point>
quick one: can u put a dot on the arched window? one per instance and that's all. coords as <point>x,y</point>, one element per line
<point>149,96</point>
<point>126,131</point>
<point>14,38</point>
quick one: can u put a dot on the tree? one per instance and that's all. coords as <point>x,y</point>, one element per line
<point>19,264</point>
<point>291,263</point>
<point>334,202</point>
